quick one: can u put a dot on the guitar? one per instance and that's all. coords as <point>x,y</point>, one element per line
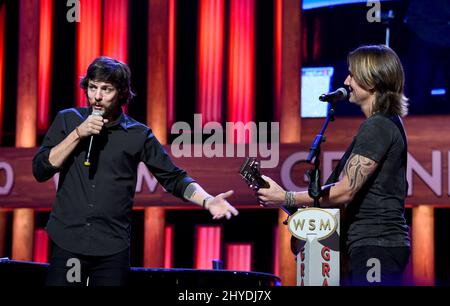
<point>251,173</point>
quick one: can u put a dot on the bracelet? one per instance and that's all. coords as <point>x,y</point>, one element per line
<point>78,133</point>
<point>290,199</point>
<point>206,199</point>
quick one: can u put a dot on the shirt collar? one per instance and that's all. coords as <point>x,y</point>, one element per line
<point>122,121</point>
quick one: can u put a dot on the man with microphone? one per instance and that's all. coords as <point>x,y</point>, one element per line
<point>370,180</point>
<point>97,150</point>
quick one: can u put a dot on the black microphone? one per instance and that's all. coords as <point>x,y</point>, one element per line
<point>335,96</point>
<point>87,162</point>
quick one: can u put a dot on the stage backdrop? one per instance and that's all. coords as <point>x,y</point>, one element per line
<point>428,165</point>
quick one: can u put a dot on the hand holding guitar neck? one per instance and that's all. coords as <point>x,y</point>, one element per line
<point>250,172</point>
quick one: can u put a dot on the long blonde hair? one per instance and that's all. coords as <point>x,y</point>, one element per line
<point>377,68</point>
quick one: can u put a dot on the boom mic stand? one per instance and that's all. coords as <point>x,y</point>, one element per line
<point>315,188</point>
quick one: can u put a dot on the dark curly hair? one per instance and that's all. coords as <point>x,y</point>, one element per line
<point>106,69</point>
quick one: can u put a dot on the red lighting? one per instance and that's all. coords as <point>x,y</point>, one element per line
<point>2,48</point>
<point>168,246</point>
<point>210,59</point>
<point>40,253</point>
<point>241,61</point>
<point>171,64</point>
<point>115,28</point>
<point>278,42</point>
<point>207,246</point>
<point>45,63</point>
<point>239,256</point>
<point>115,25</point>
<point>88,42</point>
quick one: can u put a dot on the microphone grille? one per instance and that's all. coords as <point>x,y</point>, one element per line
<point>344,93</point>
<point>98,112</point>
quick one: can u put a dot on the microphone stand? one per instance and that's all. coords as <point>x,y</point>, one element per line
<point>386,19</point>
<point>315,188</point>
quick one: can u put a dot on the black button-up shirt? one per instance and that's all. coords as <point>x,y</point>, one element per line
<point>91,214</point>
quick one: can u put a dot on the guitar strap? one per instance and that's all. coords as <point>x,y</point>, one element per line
<point>334,176</point>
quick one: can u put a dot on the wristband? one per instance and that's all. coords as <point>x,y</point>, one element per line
<point>290,199</point>
<point>78,133</point>
<point>206,199</point>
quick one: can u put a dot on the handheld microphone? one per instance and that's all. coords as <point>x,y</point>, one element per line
<point>335,96</point>
<point>87,162</point>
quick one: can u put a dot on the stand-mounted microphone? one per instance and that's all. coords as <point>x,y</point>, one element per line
<point>335,96</point>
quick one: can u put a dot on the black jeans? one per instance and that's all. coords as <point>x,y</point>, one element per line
<point>69,269</point>
<point>378,266</point>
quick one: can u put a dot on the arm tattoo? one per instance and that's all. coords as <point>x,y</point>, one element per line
<point>189,191</point>
<point>358,169</point>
